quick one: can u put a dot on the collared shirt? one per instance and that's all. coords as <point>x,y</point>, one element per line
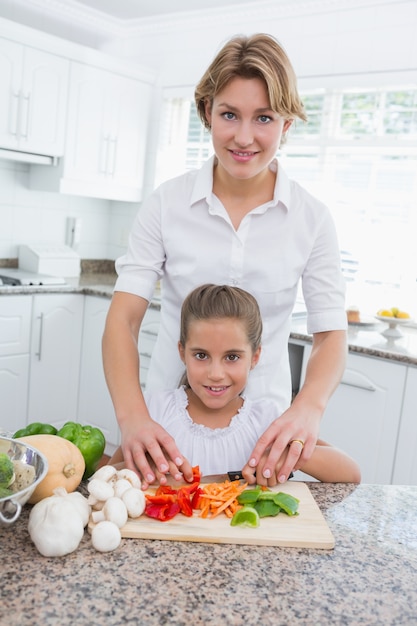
<point>183,235</point>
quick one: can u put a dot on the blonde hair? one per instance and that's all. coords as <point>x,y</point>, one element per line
<point>258,56</point>
<point>210,301</point>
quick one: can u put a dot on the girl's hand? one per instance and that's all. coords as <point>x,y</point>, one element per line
<point>174,474</point>
<point>152,453</point>
<point>285,445</point>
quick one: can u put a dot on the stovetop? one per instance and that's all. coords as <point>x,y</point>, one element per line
<point>19,277</point>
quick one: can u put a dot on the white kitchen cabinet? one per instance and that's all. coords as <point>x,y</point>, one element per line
<point>147,339</point>
<point>363,415</point>
<point>15,316</point>
<point>106,137</point>
<point>55,358</point>
<point>94,402</point>
<point>33,99</point>
<point>405,468</point>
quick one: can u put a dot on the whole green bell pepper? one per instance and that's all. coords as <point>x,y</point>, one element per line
<point>89,440</point>
<point>36,428</point>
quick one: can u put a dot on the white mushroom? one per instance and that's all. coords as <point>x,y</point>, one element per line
<point>106,473</point>
<point>120,486</point>
<point>135,502</point>
<point>114,510</point>
<point>100,489</point>
<point>106,536</point>
<point>131,476</point>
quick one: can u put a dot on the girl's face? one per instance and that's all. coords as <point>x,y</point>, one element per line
<point>246,132</point>
<point>218,358</point>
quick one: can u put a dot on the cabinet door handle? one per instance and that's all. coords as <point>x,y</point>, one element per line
<point>39,352</point>
<point>14,113</point>
<point>353,379</point>
<point>104,154</point>
<point>25,115</point>
<point>112,156</point>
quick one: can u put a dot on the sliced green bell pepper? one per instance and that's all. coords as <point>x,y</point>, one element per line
<point>89,440</point>
<point>36,428</point>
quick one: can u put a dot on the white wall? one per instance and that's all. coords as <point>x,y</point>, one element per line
<point>28,216</point>
<point>329,43</point>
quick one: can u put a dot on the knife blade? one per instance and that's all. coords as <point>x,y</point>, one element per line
<point>220,478</point>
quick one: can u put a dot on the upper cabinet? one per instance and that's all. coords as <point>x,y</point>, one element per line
<point>77,115</point>
<point>106,137</point>
<point>33,99</point>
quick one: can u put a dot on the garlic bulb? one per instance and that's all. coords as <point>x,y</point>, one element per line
<point>56,524</point>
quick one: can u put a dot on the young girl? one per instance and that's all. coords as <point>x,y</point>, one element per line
<point>211,420</point>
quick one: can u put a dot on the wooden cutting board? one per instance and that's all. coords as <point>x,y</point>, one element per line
<point>309,529</point>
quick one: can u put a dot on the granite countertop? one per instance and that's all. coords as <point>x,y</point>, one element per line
<point>368,578</point>
<point>370,341</point>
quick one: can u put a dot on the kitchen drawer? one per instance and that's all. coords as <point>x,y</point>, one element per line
<point>147,338</point>
<point>15,321</point>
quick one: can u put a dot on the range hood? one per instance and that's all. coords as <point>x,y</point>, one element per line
<point>27,157</point>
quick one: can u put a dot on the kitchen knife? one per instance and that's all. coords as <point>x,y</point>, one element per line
<point>219,478</point>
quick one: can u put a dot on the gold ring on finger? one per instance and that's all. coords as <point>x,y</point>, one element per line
<point>300,441</point>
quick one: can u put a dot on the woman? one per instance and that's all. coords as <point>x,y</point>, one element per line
<point>239,221</point>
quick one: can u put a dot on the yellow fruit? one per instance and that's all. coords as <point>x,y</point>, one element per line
<point>395,311</point>
<point>403,315</point>
<point>385,313</point>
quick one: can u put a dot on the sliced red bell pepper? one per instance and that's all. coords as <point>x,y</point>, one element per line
<point>189,488</point>
<point>163,498</point>
<point>167,501</point>
<point>196,474</point>
<point>162,512</point>
<point>183,499</point>
<point>165,489</point>
<point>196,498</point>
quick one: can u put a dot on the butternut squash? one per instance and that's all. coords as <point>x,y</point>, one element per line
<point>66,464</point>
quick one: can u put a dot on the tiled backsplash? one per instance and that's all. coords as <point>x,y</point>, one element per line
<point>29,216</point>
<point>88,266</point>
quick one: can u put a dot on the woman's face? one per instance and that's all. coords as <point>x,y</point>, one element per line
<point>246,132</point>
<point>218,358</point>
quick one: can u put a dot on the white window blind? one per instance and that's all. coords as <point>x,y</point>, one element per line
<point>358,154</point>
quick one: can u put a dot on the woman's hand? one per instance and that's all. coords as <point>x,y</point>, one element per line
<point>298,426</point>
<point>285,445</point>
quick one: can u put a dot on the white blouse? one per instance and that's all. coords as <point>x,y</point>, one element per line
<point>183,235</point>
<point>215,450</point>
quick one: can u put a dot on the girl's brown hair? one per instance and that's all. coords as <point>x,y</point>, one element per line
<point>217,302</point>
<point>258,56</point>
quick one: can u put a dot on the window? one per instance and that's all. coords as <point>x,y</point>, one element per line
<point>358,153</point>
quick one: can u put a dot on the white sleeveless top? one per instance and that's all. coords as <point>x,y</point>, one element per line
<point>215,450</point>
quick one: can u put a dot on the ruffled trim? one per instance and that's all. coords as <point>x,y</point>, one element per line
<point>181,404</point>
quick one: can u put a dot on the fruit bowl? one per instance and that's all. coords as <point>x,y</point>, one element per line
<point>392,332</point>
<point>34,463</point>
